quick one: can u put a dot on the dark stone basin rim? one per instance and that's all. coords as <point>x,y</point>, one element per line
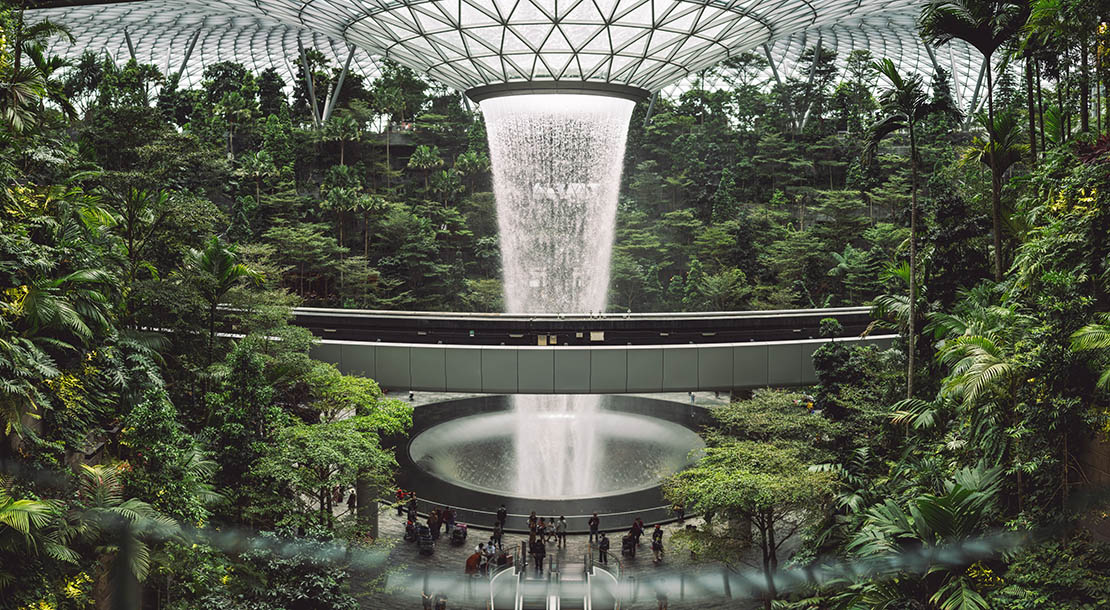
<point>478,509</point>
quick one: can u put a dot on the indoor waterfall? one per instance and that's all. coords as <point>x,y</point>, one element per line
<point>557,161</point>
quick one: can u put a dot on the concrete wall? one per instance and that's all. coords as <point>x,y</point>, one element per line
<point>580,370</point>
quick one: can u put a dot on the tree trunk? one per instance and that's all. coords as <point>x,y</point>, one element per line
<point>388,164</point>
<point>211,330</point>
<point>1031,112</point>
<point>996,181</point>
<point>1084,87</point>
<point>366,507</point>
<point>911,338</point>
<point>1040,104</point>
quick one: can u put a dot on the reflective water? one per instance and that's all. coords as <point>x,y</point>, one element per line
<point>634,452</point>
<point>557,163</point>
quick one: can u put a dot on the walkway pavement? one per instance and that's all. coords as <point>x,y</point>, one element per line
<point>448,560</point>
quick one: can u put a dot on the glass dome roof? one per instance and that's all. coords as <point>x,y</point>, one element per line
<point>645,44</point>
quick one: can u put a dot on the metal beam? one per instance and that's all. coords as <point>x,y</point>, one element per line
<point>188,54</point>
<point>311,90</point>
<point>130,45</point>
<point>329,108</point>
<point>771,62</point>
<point>809,82</point>
<point>932,57</point>
<point>975,95</point>
<point>651,106</point>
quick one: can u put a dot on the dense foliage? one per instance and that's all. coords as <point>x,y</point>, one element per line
<point>140,220</point>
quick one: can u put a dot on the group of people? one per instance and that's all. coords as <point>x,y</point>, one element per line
<point>540,532</point>
<point>485,556</point>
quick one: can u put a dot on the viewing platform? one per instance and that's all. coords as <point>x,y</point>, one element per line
<point>580,354</point>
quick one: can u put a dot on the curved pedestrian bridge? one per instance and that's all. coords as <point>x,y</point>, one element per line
<point>579,354</point>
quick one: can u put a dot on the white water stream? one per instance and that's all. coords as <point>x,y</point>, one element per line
<point>557,163</point>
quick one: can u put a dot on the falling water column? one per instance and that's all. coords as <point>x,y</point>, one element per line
<point>557,162</point>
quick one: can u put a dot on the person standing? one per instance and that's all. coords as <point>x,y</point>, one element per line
<point>532,523</point>
<point>400,501</point>
<point>594,524</point>
<point>603,549</point>
<point>427,600</point>
<point>498,532</point>
<point>539,551</point>
<point>502,515</point>
<point>657,548</point>
<point>434,523</point>
<point>561,531</point>
<point>679,512</point>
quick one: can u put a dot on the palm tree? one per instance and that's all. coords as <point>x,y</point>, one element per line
<point>470,164</point>
<point>388,101</point>
<point>24,528</point>
<point>424,159</point>
<point>1005,145</point>
<point>235,111</point>
<point>213,271</point>
<point>985,369</point>
<point>117,529</point>
<point>257,166</point>
<point>342,129</point>
<point>985,25</point>
<point>21,89</point>
<point>903,105</point>
<point>929,522</point>
<point>1094,336</point>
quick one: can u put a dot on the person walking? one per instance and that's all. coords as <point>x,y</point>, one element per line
<point>637,530</point>
<point>657,549</point>
<point>539,551</point>
<point>561,531</point>
<point>603,549</point>
<point>502,515</point>
<point>594,524</point>
<point>498,532</point>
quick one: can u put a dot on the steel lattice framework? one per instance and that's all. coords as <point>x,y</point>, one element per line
<point>644,44</point>
<point>889,35</point>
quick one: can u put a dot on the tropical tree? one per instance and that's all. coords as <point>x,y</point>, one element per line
<point>21,89</point>
<point>213,271</point>
<point>1095,336</point>
<point>424,159</point>
<point>903,106</point>
<point>927,524</point>
<point>236,111</point>
<point>342,128</point>
<point>985,25</point>
<point>257,166</point>
<point>759,483</point>
<point>116,529</point>
<point>471,164</point>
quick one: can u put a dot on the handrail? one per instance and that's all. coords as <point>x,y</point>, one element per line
<point>584,315</point>
<point>486,512</point>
